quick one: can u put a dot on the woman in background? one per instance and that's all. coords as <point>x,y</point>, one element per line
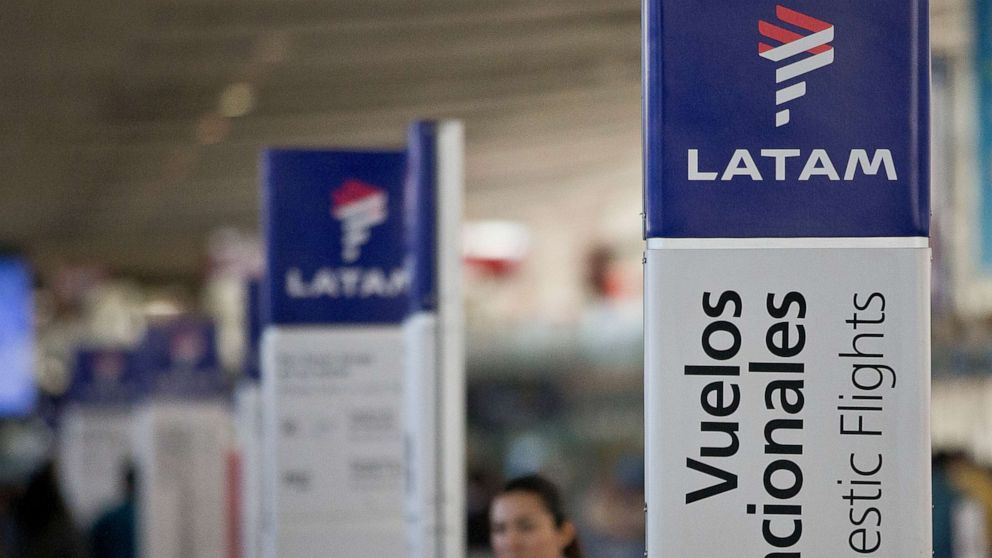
<point>527,521</point>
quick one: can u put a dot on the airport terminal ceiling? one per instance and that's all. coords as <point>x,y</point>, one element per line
<point>130,130</point>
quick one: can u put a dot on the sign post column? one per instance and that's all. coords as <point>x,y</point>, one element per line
<point>787,360</point>
<point>332,353</point>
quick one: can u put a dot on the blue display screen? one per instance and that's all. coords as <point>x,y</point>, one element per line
<point>17,385</point>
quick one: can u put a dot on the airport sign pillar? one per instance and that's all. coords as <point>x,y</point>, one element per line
<point>337,291</point>
<point>434,369</point>
<point>787,273</point>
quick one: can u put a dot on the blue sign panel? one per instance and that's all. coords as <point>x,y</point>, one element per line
<point>334,229</point>
<point>17,386</point>
<point>178,358</point>
<point>104,377</point>
<point>421,200</point>
<point>786,118</point>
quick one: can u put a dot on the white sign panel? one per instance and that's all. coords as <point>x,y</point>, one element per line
<point>183,480</point>
<point>434,423</point>
<point>248,427</point>
<point>94,452</point>
<point>790,391</point>
<point>421,422</point>
<point>336,475</point>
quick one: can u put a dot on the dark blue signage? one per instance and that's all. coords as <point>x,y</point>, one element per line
<point>178,359</point>
<point>790,118</point>
<point>334,230</point>
<point>421,199</point>
<point>17,386</point>
<point>105,377</point>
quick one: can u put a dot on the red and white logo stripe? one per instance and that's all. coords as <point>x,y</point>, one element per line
<point>815,44</point>
<point>359,206</point>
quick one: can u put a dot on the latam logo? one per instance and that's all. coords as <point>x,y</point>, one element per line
<point>811,49</point>
<point>359,206</point>
<point>775,163</point>
<point>347,282</point>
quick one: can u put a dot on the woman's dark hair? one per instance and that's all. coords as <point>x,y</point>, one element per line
<point>548,492</point>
